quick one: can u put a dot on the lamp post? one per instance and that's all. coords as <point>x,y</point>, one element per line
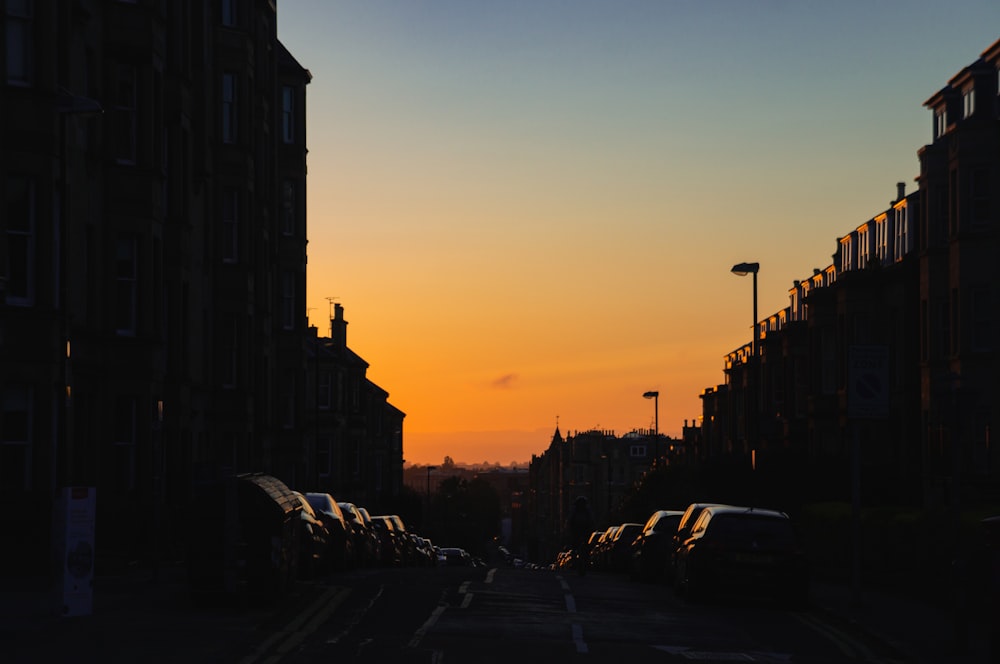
<point>655,396</point>
<point>743,269</point>
<point>429,469</point>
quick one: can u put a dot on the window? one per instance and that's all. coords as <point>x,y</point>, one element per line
<point>230,351</point>
<point>940,122</point>
<point>230,13</point>
<point>864,251</point>
<point>882,238</point>
<point>968,102</point>
<point>323,390</point>
<point>901,235</point>
<point>126,286</point>
<point>288,207</point>
<point>637,451</point>
<point>324,455</point>
<point>20,273</point>
<point>288,400</point>
<point>980,194</point>
<point>288,300</point>
<point>19,29</point>
<point>123,447</point>
<point>980,314</point>
<point>230,241</point>
<point>125,112</point>
<point>15,439</point>
<point>229,108</point>
<point>288,114</point>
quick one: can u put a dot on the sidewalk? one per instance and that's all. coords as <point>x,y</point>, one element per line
<point>921,632</point>
<point>135,618</point>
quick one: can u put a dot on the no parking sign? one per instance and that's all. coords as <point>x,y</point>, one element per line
<point>868,382</point>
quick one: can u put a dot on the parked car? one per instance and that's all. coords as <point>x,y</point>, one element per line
<point>451,556</point>
<point>359,532</point>
<point>407,549</point>
<point>389,546</point>
<point>313,541</point>
<point>691,514</point>
<point>739,550</point>
<point>652,548</point>
<point>372,554</point>
<point>620,546</point>
<point>341,546</point>
<point>599,554</point>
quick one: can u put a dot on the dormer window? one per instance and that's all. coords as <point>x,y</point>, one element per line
<point>968,102</point>
<point>940,122</point>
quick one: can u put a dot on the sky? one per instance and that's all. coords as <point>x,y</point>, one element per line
<point>529,209</point>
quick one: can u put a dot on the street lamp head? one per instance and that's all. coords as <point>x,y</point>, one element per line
<point>743,269</point>
<point>650,395</point>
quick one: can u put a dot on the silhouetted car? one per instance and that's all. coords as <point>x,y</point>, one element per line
<point>340,552</point>
<point>740,550</point>
<point>359,532</point>
<point>451,556</point>
<point>372,555</point>
<point>691,514</point>
<point>652,548</point>
<point>407,548</point>
<point>620,547</point>
<point>599,552</point>
<point>389,545</point>
<point>313,541</point>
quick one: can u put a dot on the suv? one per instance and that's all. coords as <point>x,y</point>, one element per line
<point>733,550</point>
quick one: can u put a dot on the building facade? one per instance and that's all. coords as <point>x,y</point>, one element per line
<point>910,294</point>
<point>153,330</point>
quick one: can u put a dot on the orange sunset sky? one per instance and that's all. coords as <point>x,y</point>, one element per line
<point>529,209</point>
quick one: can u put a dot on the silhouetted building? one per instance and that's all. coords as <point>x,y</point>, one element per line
<point>895,342</point>
<point>595,464</point>
<point>152,261</point>
<point>357,433</point>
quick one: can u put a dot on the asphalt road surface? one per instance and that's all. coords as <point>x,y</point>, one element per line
<point>520,616</point>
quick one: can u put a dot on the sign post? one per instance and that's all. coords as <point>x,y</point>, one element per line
<point>75,516</point>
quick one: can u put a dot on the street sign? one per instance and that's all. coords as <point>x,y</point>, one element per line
<point>868,382</point>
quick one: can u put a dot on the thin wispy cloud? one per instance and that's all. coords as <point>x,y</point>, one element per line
<point>504,382</point>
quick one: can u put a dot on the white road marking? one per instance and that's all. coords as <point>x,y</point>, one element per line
<point>420,633</point>
<point>490,575</point>
<point>581,645</point>
<point>570,603</point>
<point>467,600</point>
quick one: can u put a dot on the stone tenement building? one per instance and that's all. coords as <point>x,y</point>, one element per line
<point>153,332</point>
<point>893,346</point>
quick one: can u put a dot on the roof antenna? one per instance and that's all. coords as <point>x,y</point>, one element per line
<point>330,301</point>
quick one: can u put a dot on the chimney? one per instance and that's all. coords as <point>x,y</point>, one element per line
<point>338,327</point>
<point>900,191</point>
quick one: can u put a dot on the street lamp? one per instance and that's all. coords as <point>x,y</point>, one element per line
<point>743,269</point>
<point>655,396</point>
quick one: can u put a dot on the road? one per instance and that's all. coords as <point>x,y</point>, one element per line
<point>502,614</point>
